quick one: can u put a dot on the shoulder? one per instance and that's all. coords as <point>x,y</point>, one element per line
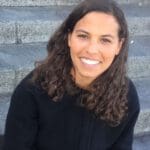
<point>23,102</point>
<point>133,101</point>
<point>27,86</point>
<point>133,97</point>
<point>26,90</point>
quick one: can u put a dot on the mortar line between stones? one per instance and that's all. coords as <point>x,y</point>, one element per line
<point>17,40</point>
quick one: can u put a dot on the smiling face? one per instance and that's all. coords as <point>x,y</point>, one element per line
<point>94,43</point>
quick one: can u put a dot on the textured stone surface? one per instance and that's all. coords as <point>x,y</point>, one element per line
<point>37,2</point>
<point>135,10</point>
<point>139,2</point>
<point>143,89</point>
<point>7,32</point>
<point>36,31</point>
<point>139,46</point>
<point>142,143</point>
<point>139,26</point>
<point>36,24</point>
<point>16,61</point>
<point>7,80</point>
<point>18,56</point>
<point>58,2</point>
<point>21,73</point>
<point>139,67</point>
<point>143,123</point>
<point>4,105</point>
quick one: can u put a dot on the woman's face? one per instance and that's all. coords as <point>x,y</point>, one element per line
<point>93,43</point>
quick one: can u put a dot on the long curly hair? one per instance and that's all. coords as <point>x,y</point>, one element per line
<point>107,98</point>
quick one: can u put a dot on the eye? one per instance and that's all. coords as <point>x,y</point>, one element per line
<point>105,41</point>
<point>82,36</point>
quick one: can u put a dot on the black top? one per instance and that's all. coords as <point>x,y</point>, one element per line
<point>35,122</point>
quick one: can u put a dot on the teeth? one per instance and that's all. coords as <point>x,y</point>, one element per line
<point>89,61</point>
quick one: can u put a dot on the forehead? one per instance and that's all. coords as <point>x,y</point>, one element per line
<point>98,22</point>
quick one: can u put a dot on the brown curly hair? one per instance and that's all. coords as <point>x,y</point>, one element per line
<point>107,98</point>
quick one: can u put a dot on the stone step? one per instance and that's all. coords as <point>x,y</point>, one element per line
<point>142,126</point>
<point>4,105</point>
<point>143,89</point>
<point>142,143</point>
<point>16,60</point>
<point>58,2</point>
<point>139,57</point>
<point>36,24</point>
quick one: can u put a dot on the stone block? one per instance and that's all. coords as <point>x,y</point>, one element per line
<point>21,73</point>
<point>58,2</point>
<point>143,123</point>
<point>4,105</point>
<point>36,31</point>
<point>139,2</point>
<point>139,67</point>
<point>139,26</point>
<point>7,32</point>
<point>37,2</point>
<point>7,79</point>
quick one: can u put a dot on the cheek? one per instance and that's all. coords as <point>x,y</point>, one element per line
<point>77,47</point>
<point>74,50</point>
<point>110,51</point>
<point>109,55</point>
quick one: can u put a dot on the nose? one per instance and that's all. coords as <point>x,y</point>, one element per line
<point>93,47</point>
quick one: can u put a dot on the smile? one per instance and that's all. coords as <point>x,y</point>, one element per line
<point>89,61</point>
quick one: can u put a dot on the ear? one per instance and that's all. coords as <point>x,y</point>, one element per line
<point>119,46</point>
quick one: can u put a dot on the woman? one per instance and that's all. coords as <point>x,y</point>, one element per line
<point>79,97</point>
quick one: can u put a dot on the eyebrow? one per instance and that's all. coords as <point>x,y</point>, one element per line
<point>80,30</point>
<point>105,35</point>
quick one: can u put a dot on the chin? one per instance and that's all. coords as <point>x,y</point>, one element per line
<point>90,75</point>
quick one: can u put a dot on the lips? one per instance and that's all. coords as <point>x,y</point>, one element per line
<point>90,61</point>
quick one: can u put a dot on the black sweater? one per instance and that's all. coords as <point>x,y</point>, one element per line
<point>35,122</point>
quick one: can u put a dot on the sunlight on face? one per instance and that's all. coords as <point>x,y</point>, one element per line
<point>93,44</point>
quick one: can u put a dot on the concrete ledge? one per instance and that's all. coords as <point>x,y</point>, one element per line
<point>37,2</point>
<point>58,2</point>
